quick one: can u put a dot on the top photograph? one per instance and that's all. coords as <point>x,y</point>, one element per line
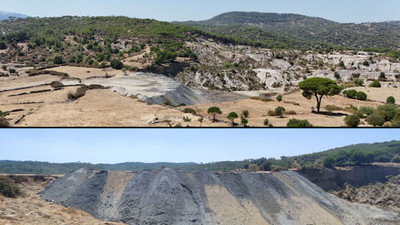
<point>258,63</point>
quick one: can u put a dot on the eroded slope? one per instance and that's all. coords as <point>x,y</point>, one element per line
<point>203,197</point>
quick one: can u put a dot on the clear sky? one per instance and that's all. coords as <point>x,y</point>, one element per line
<point>180,10</point>
<point>165,145</point>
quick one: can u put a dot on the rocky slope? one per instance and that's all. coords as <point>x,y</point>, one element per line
<point>385,194</point>
<point>203,197</point>
<point>244,68</point>
<point>148,87</point>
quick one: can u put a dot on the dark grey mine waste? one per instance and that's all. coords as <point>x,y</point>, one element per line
<point>204,197</point>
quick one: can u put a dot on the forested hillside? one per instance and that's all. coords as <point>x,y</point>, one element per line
<point>95,41</point>
<point>312,31</point>
<point>31,167</point>
<point>352,155</point>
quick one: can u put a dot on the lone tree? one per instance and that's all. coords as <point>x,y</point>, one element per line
<point>232,116</point>
<point>214,111</point>
<point>319,87</point>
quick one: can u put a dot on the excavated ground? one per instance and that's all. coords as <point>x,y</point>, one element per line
<point>30,208</point>
<point>203,197</point>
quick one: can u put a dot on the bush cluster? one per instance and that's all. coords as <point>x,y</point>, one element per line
<point>8,188</point>
<point>355,95</point>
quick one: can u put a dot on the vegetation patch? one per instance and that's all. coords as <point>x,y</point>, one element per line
<point>8,188</point>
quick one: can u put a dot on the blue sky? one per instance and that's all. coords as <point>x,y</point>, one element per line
<point>169,10</point>
<point>165,145</point>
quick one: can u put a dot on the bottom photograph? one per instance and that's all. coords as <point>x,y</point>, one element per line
<point>200,176</point>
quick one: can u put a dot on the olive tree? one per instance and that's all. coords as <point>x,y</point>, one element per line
<point>319,87</point>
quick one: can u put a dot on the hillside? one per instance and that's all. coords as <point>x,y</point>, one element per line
<point>7,15</point>
<point>351,155</point>
<point>311,31</point>
<point>30,167</point>
<point>203,197</point>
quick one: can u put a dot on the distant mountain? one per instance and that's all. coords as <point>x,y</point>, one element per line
<point>6,15</point>
<point>302,30</point>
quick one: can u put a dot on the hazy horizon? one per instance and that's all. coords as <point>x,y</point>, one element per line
<point>356,11</point>
<point>160,145</point>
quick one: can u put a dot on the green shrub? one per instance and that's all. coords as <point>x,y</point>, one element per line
<point>189,110</point>
<point>351,93</point>
<point>254,168</point>
<point>58,59</point>
<point>366,63</point>
<point>245,113</point>
<point>8,188</point>
<point>361,96</point>
<point>376,119</point>
<point>279,111</point>
<point>116,64</point>
<point>365,111</point>
<point>352,121</point>
<point>358,82</point>
<point>337,75</point>
<point>244,122</point>
<point>329,161</point>
<point>299,123</point>
<point>375,84</point>
<point>266,122</point>
<point>396,120</point>
<point>390,100</point>
<point>3,45</point>
<point>279,98</point>
<point>388,111</point>
<point>382,76</point>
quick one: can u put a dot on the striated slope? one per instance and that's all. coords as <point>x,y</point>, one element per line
<point>203,197</point>
<point>148,87</point>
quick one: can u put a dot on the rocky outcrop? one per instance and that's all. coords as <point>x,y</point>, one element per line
<point>203,197</point>
<point>333,179</point>
<point>244,68</point>
<point>148,87</point>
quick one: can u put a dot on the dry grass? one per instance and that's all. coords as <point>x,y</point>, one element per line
<point>31,209</point>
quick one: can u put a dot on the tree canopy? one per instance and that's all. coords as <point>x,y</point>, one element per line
<point>319,87</point>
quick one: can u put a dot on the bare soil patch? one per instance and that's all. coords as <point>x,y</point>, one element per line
<point>84,73</point>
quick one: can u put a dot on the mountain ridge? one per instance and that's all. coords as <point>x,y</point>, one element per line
<point>311,30</point>
<point>6,15</point>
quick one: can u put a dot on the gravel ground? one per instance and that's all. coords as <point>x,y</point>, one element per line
<point>203,197</point>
